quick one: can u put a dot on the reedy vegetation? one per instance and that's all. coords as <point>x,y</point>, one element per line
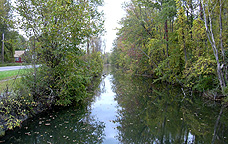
<point>57,31</point>
<point>178,41</point>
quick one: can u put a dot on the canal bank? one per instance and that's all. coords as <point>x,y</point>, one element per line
<point>128,109</point>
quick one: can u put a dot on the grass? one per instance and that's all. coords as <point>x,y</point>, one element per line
<point>8,83</point>
<point>12,64</point>
<point>11,74</point>
<point>7,78</point>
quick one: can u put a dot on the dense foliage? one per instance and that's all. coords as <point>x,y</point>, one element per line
<point>58,32</point>
<point>179,41</point>
<point>160,113</point>
<point>11,40</point>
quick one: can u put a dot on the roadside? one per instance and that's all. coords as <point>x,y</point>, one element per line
<point>8,68</point>
<point>13,64</point>
<point>8,78</point>
<point>10,74</point>
<point>4,75</point>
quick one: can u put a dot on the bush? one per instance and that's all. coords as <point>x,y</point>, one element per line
<point>42,88</point>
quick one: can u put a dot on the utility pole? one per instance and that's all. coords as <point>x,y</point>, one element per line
<point>2,47</point>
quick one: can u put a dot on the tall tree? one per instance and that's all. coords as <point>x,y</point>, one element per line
<point>58,30</point>
<point>208,20</point>
<point>6,30</point>
<point>179,41</point>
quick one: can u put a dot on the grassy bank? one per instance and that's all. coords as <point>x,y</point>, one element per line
<point>7,78</point>
<point>4,75</point>
<point>62,85</point>
<point>13,64</point>
<point>8,83</point>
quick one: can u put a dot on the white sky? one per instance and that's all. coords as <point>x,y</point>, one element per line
<point>113,13</point>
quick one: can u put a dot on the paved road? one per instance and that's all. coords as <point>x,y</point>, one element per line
<point>7,68</point>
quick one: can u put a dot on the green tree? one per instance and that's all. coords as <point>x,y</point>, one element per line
<point>212,12</point>
<point>58,31</point>
<point>170,40</point>
<point>6,26</point>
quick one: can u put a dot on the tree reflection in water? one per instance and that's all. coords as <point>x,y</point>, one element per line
<point>63,126</point>
<point>159,113</point>
<point>71,126</point>
<point>146,113</point>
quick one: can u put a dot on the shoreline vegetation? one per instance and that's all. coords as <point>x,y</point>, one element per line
<point>15,109</point>
<point>210,95</point>
<point>39,108</point>
<point>66,42</point>
<point>178,42</point>
<point>173,41</point>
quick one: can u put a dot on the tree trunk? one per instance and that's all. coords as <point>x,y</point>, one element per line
<point>216,124</point>
<point>191,17</point>
<point>184,48</point>
<point>220,25</point>
<point>221,42</point>
<point>215,50</point>
<point>2,47</point>
<point>87,48</point>
<point>166,37</point>
<point>201,10</point>
<point>34,60</point>
<point>172,25</point>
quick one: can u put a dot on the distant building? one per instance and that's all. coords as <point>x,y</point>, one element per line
<point>18,56</point>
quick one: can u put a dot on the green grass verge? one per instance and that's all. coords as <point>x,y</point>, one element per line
<point>8,83</point>
<point>13,64</point>
<point>11,74</point>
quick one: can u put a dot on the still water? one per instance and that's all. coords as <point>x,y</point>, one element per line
<point>128,109</point>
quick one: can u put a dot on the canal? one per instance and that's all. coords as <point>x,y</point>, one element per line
<point>126,109</point>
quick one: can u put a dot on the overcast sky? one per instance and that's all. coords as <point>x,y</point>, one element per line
<point>113,13</point>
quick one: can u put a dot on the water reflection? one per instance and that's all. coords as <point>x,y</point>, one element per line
<point>65,126</point>
<point>126,109</point>
<point>62,126</point>
<point>92,124</point>
<point>160,114</point>
<point>105,108</point>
